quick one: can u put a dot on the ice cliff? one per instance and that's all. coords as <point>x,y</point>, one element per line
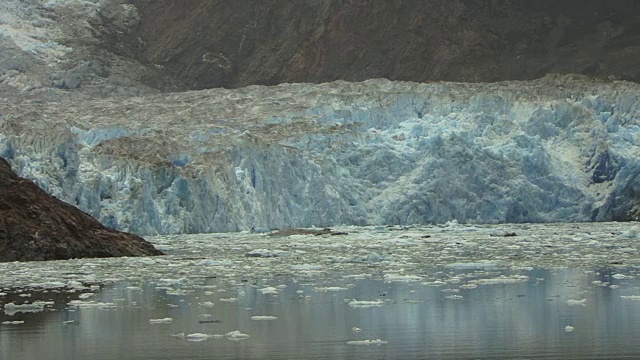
<point>562,148</point>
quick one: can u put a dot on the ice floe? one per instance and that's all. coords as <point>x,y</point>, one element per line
<point>15,322</point>
<point>572,302</point>
<point>367,342</point>
<point>236,335</point>
<point>364,303</point>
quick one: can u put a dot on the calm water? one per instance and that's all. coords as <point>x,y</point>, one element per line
<point>524,319</point>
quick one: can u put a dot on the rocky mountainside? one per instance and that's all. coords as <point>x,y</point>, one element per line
<point>37,226</point>
<point>211,43</point>
<point>78,49</point>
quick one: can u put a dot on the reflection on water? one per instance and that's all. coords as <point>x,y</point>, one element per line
<point>526,318</point>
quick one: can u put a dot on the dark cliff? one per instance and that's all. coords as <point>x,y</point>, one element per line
<point>37,226</point>
<point>212,43</point>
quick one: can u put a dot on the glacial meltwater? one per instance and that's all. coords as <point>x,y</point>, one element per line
<point>544,291</point>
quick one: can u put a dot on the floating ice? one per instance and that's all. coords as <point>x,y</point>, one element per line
<point>365,303</point>
<point>329,289</point>
<point>367,342</point>
<point>161,321</point>
<point>261,317</point>
<point>206,304</point>
<point>572,302</point>
<point>209,262</point>
<point>631,297</point>
<point>306,267</point>
<point>401,278</point>
<point>270,290</point>
<point>620,276</point>
<point>236,335</point>
<point>91,304</point>
<point>36,306</point>
<point>503,279</point>
<point>228,300</point>
<point>356,329</point>
<point>265,253</point>
<point>568,328</point>
<point>196,337</point>
<point>16,322</point>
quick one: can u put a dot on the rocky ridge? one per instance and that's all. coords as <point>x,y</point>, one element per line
<point>37,226</point>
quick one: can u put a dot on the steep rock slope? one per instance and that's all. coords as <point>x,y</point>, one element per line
<point>36,226</point>
<point>70,49</point>
<point>378,152</point>
<point>211,43</point>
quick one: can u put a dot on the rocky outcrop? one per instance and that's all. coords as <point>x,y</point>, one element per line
<point>212,43</point>
<point>37,226</point>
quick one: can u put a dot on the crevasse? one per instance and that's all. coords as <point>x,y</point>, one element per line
<point>562,148</point>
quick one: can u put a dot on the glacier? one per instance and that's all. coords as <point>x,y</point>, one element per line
<point>558,149</point>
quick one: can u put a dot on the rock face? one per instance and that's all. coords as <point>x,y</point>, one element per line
<point>36,226</point>
<point>211,43</point>
<point>378,152</point>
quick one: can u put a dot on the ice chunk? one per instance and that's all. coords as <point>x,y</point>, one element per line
<point>36,306</point>
<point>91,304</point>
<point>236,335</point>
<point>620,276</point>
<point>228,300</point>
<point>367,342</point>
<point>15,322</point>
<point>568,328</point>
<point>196,337</point>
<point>327,289</point>
<point>85,296</point>
<point>401,278</point>
<point>270,290</point>
<point>572,302</point>
<point>265,253</point>
<point>365,303</point>
<point>161,321</point>
<point>263,317</point>
<point>631,297</point>
<point>503,279</point>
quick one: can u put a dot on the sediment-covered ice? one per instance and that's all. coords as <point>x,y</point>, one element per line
<point>562,148</point>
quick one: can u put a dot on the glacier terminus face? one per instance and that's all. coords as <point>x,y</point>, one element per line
<point>562,148</point>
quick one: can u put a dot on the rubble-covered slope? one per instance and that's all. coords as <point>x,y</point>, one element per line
<point>36,226</point>
<point>377,152</point>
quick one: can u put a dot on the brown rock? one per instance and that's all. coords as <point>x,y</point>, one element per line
<point>37,226</point>
<point>213,43</point>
